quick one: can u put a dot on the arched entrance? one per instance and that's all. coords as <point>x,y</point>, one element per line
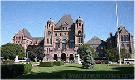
<point>55,57</point>
<point>71,57</point>
<point>63,57</point>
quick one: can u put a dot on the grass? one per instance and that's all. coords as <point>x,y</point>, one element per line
<point>74,71</point>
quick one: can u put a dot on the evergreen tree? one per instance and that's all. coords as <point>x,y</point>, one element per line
<point>86,55</point>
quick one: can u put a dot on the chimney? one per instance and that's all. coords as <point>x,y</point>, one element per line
<point>110,34</point>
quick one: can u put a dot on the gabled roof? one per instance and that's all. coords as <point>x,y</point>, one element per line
<point>120,29</point>
<point>94,40</point>
<point>65,20</point>
<point>26,33</point>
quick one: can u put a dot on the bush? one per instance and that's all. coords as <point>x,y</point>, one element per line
<point>46,64</point>
<point>14,70</point>
<point>58,63</point>
<point>27,68</point>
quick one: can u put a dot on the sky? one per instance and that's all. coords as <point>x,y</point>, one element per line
<point>99,17</point>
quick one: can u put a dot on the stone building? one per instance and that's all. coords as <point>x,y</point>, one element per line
<point>63,38</point>
<point>126,41</point>
<point>24,38</point>
<point>98,45</point>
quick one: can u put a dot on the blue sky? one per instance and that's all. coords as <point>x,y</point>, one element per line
<point>99,17</point>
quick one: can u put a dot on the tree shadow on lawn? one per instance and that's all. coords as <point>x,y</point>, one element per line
<point>75,66</point>
<point>122,73</point>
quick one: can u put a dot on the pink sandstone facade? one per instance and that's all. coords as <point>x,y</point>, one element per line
<point>60,41</point>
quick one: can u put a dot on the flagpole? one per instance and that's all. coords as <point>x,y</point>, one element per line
<point>118,40</point>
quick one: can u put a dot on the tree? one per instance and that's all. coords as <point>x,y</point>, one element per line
<point>86,55</point>
<point>35,51</point>
<point>9,50</point>
<point>112,54</point>
<point>124,54</point>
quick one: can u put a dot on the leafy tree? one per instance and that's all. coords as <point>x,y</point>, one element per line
<point>35,52</point>
<point>86,55</point>
<point>112,54</point>
<point>21,55</point>
<point>124,54</point>
<point>9,51</point>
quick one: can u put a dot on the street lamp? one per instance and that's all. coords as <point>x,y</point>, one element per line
<point>27,58</point>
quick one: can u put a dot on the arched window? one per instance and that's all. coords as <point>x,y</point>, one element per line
<point>49,32</point>
<point>55,34</point>
<point>79,24</point>
<point>47,41</point>
<point>79,32</point>
<point>64,44</point>
<point>121,38</point>
<point>51,41</point>
<point>60,34</point>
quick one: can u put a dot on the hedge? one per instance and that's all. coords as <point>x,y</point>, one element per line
<point>14,70</point>
<point>51,64</point>
<point>46,64</point>
<point>58,63</point>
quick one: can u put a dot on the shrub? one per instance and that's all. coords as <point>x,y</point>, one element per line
<point>46,64</point>
<point>58,63</point>
<point>27,68</point>
<point>14,70</point>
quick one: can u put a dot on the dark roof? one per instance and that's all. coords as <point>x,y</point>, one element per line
<point>65,20</point>
<point>26,33</point>
<point>37,38</point>
<point>94,40</point>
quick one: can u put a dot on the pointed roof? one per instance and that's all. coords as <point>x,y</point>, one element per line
<point>65,20</point>
<point>26,33</point>
<point>94,40</point>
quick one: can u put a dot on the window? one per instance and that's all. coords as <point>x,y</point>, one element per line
<point>79,33</point>
<point>71,45</point>
<point>127,45</point>
<point>63,45</point>
<point>47,41</point>
<point>49,25</point>
<point>57,45</point>
<point>121,38</point>
<point>55,34</point>
<point>127,38</point>
<point>124,37</point>
<point>79,24</point>
<point>51,40</point>
<point>63,28</point>
<point>49,32</point>
<point>60,34</point>
<point>19,37</point>
<point>80,40</point>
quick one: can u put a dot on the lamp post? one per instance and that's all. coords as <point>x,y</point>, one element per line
<point>27,56</point>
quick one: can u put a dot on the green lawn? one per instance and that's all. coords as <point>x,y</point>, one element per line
<point>75,71</point>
